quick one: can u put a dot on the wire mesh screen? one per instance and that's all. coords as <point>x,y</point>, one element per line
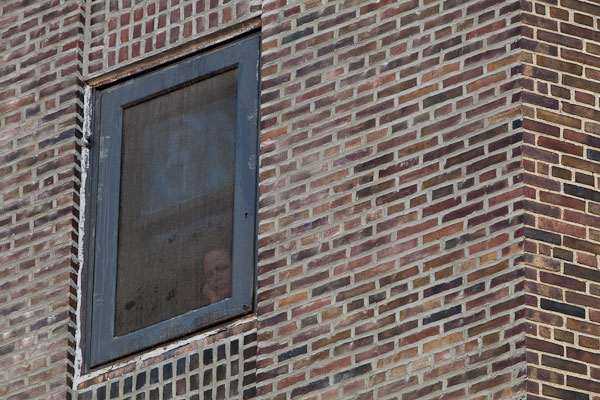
<point>176,203</point>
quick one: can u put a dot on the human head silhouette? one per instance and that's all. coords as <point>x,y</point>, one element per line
<point>217,275</point>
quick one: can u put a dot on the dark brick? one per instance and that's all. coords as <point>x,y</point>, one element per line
<point>582,272</point>
<point>543,236</point>
<point>441,97</point>
<point>562,308</point>
<point>128,385</point>
<point>154,378</point>
<point>331,286</point>
<point>442,314</point>
<point>563,393</point>
<point>564,365</point>
<point>311,387</point>
<point>351,373</point>
<point>582,192</point>
<point>292,353</point>
<point>140,380</point>
<point>442,287</point>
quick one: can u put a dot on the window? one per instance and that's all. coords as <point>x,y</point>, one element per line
<point>173,199</point>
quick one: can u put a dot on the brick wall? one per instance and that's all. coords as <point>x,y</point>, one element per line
<point>218,365</point>
<point>391,203</point>
<point>41,50</point>
<point>561,43</point>
<point>48,49</point>
<point>428,217</point>
<point>121,32</point>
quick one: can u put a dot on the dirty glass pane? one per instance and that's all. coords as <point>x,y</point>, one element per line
<point>176,203</point>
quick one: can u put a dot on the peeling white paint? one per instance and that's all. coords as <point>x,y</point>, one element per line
<point>87,116</point>
<point>85,164</point>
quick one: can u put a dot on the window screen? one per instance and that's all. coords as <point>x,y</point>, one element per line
<point>176,203</point>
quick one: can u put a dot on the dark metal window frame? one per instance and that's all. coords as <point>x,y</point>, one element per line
<point>103,198</point>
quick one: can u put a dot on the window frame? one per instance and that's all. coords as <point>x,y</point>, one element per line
<point>103,186</point>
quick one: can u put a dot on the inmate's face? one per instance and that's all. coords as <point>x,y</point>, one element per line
<point>217,272</point>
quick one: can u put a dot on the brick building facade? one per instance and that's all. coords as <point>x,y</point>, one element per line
<point>429,199</point>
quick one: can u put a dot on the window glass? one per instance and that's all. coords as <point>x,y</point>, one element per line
<point>175,228</point>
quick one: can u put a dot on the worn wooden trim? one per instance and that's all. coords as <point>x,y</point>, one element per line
<point>87,277</point>
<point>174,53</point>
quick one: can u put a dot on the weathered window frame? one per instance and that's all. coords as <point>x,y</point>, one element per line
<point>103,198</point>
